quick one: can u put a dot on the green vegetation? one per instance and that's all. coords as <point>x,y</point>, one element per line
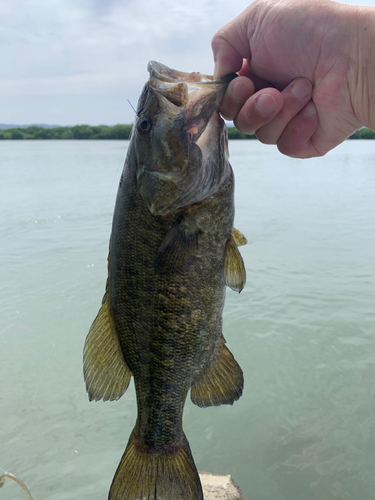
<point>78,132</point>
<point>233,133</point>
<point>117,132</point>
<point>364,133</point>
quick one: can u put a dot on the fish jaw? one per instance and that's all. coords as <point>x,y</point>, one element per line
<point>178,138</point>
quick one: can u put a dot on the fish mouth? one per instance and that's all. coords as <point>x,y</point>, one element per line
<point>189,138</point>
<point>197,95</point>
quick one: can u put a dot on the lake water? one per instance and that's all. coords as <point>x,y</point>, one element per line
<point>303,329</point>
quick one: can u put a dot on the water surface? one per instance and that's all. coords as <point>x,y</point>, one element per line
<point>303,329</point>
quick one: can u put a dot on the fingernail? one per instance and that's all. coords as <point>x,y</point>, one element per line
<point>265,104</point>
<point>301,89</point>
<point>240,90</point>
<point>309,109</point>
<point>216,70</point>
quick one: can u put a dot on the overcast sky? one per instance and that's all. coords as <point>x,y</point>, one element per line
<point>78,61</point>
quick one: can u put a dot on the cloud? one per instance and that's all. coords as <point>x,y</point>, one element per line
<point>98,48</point>
<point>88,51</point>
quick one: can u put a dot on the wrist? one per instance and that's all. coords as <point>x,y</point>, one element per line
<point>361,75</point>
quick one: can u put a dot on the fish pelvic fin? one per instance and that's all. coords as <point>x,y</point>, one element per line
<point>239,238</point>
<point>149,475</point>
<point>222,382</point>
<point>234,273</point>
<point>106,374</point>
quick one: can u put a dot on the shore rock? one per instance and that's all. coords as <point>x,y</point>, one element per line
<point>216,487</point>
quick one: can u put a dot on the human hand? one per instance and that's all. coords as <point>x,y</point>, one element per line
<point>301,68</point>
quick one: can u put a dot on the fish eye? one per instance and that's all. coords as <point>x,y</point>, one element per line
<point>144,124</point>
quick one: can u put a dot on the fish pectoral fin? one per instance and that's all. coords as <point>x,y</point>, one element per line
<point>106,374</point>
<point>221,384</point>
<point>179,242</point>
<point>239,238</point>
<point>146,474</point>
<point>234,273</point>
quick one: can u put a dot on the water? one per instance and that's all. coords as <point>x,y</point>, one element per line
<point>303,329</point>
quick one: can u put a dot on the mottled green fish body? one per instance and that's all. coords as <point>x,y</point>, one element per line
<point>173,250</point>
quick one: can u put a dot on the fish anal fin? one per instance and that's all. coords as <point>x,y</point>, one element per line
<point>156,475</point>
<point>222,383</point>
<point>234,273</point>
<point>239,238</point>
<point>106,374</point>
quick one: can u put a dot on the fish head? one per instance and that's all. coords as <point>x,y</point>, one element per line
<point>179,138</point>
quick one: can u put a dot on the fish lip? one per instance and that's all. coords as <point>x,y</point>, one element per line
<point>164,74</point>
<point>214,127</point>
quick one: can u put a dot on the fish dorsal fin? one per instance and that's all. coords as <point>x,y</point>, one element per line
<point>221,383</point>
<point>106,374</point>
<point>239,238</point>
<point>234,269</point>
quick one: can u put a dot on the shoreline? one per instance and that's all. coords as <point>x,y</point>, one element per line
<point>117,132</point>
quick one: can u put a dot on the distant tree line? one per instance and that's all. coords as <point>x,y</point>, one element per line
<point>364,133</point>
<point>117,132</point>
<point>67,133</point>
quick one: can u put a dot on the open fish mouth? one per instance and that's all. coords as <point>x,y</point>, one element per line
<point>199,94</point>
<point>182,149</point>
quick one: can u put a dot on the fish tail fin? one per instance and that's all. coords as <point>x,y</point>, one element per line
<point>149,475</point>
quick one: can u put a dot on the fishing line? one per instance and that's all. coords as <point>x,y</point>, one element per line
<point>131,105</point>
<point>17,480</point>
<point>116,176</point>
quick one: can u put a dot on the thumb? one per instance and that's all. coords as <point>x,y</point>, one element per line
<point>230,46</point>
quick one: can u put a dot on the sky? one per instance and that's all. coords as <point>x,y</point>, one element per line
<point>68,62</point>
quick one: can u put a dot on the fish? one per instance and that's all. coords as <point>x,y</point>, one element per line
<point>173,250</point>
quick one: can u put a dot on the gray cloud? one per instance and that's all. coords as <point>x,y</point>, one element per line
<point>78,61</point>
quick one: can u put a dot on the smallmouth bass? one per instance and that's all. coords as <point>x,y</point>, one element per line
<point>173,249</point>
